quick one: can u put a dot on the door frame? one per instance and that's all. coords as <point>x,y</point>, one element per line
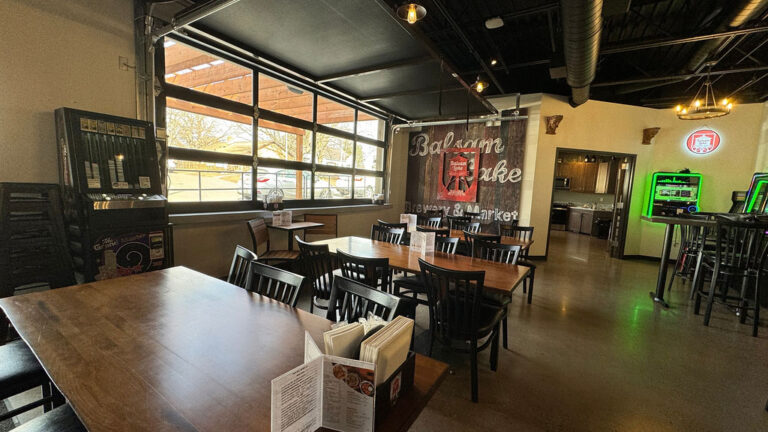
<point>632,159</point>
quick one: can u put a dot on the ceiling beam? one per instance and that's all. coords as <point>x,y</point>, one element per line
<point>191,14</point>
<point>410,93</point>
<point>680,77</point>
<point>615,49</point>
<point>376,68</point>
<point>457,29</point>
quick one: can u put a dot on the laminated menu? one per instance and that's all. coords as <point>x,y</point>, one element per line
<point>326,391</point>
<point>282,218</point>
<point>410,219</point>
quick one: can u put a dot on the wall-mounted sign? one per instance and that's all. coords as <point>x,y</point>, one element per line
<point>459,168</point>
<point>457,178</point>
<point>702,141</point>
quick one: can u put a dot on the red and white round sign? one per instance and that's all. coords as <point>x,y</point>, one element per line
<point>703,141</point>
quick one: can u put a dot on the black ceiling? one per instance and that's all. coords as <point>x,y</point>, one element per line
<point>360,48</point>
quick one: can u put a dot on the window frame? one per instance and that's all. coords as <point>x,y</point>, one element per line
<point>177,153</point>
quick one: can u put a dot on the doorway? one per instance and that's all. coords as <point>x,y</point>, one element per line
<point>590,201</point>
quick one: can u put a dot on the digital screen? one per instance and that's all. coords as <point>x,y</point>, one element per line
<point>675,192</point>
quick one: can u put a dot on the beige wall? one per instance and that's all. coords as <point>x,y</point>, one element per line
<point>602,126</point>
<point>54,54</point>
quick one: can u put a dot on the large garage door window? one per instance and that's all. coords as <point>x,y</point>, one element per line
<point>237,135</point>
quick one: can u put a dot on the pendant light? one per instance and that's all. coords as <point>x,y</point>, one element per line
<point>479,85</point>
<point>707,108</point>
<point>411,12</point>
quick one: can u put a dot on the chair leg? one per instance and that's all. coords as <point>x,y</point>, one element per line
<point>530,289</point>
<point>525,285</point>
<point>46,394</point>
<point>696,273</point>
<point>473,360</point>
<point>757,310</point>
<point>504,331</point>
<point>711,297</point>
<point>495,348</point>
<point>312,304</point>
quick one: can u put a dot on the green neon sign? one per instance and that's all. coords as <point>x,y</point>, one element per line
<point>756,193</point>
<point>675,193</point>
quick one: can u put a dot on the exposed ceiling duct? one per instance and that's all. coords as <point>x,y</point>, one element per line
<point>582,21</point>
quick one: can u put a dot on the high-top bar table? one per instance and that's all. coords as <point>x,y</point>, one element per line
<point>176,350</point>
<point>666,247</point>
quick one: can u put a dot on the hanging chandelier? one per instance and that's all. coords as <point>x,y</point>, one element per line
<point>706,108</point>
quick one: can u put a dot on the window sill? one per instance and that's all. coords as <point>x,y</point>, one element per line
<point>213,217</point>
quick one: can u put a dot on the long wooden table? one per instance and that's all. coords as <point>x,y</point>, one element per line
<point>176,350</point>
<point>503,278</point>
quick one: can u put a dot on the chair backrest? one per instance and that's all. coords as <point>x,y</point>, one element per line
<point>330,224</point>
<point>241,264</point>
<point>470,237</point>
<point>454,301</point>
<point>403,225</point>
<point>438,232</point>
<point>434,213</point>
<point>523,233</point>
<point>497,252</point>
<point>317,263</point>
<point>446,244</point>
<point>741,243</point>
<point>259,233</point>
<point>274,283</point>
<point>458,222</point>
<point>504,228</point>
<point>472,214</point>
<point>351,300</point>
<point>373,272</point>
<point>433,222</point>
<point>387,234</point>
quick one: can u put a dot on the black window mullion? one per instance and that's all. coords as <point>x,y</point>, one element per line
<point>255,136</point>
<point>185,94</point>
<point>314,147</point>
<point>386,174</point>
<point>354,156</point>
<point>209,156</point>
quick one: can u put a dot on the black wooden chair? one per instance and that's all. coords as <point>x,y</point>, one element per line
<point>737,267</point>
<point>402,225</point>
<point>20,371</point>
<point>374,272</point>
<point>413,285</point>
<point>387,234</point>
<point>470,237</point>
<point>505,228</point>
<point>433,222</point>
<point>317,264</point>
<point>458,222</point>
<point>272,282</point>
<point>457,315</point>
<point>522,233</point>
<point>472,215</point>
<point>438,232</point>
<point>241,263</point>
<point>61,419</point>
<point>502,253</point>
<point>260,236</point>
<point>352,299</point>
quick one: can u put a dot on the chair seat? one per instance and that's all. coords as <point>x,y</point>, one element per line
<point>489,316</point>
<point>61,419</point>
<point>411,283</point>
<point>495,299</point>
<point>279,255</point>
<point>19,369</point>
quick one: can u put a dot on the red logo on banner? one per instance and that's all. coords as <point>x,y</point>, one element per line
<point>461,181</point>
<point>703,141</point>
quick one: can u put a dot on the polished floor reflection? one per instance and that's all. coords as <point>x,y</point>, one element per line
<point>593,353</point>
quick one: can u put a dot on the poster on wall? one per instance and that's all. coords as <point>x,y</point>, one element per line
<point>478,168</point>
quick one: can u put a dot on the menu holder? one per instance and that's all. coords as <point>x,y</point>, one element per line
<point>410,219</point>
<point>423,242</point>
<point>282,218</point>
<point>400,383</point>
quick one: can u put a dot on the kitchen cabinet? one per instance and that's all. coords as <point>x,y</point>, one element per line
<point>584,221</point>
<point>583,175</point>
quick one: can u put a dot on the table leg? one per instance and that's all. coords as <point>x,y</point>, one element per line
<point>658,296</point>
<point>290,240</point>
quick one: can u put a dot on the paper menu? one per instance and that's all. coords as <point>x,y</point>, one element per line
<point>344,341</point>
<point>423,242</point>
<point>326,391</point>
<point>410,219</point>
<point>388,348</point>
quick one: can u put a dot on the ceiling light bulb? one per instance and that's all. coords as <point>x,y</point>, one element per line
<point>493,62</point>
<point>412,18</point>
<point>730,105</point>
<point>678,108</point>
<point>494,23</point>
<point>684,111</point>
<point>480,87</point>
<point>697,103</point>
<point>725,101</point>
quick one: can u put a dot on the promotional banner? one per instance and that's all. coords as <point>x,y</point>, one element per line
<point>458,168</point>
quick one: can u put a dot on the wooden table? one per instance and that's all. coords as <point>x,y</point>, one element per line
<point>176,350</point>
<point>524,244</point>
<point>666,247</point>
<point>503,278</point>
<point>295,226</point>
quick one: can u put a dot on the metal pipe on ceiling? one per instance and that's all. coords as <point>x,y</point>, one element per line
<point>582,22</point>
<point>397,127</point>
<point>679,77</point>
<point>192,14</point>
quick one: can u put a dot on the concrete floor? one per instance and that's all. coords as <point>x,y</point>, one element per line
<point>593,353</point>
